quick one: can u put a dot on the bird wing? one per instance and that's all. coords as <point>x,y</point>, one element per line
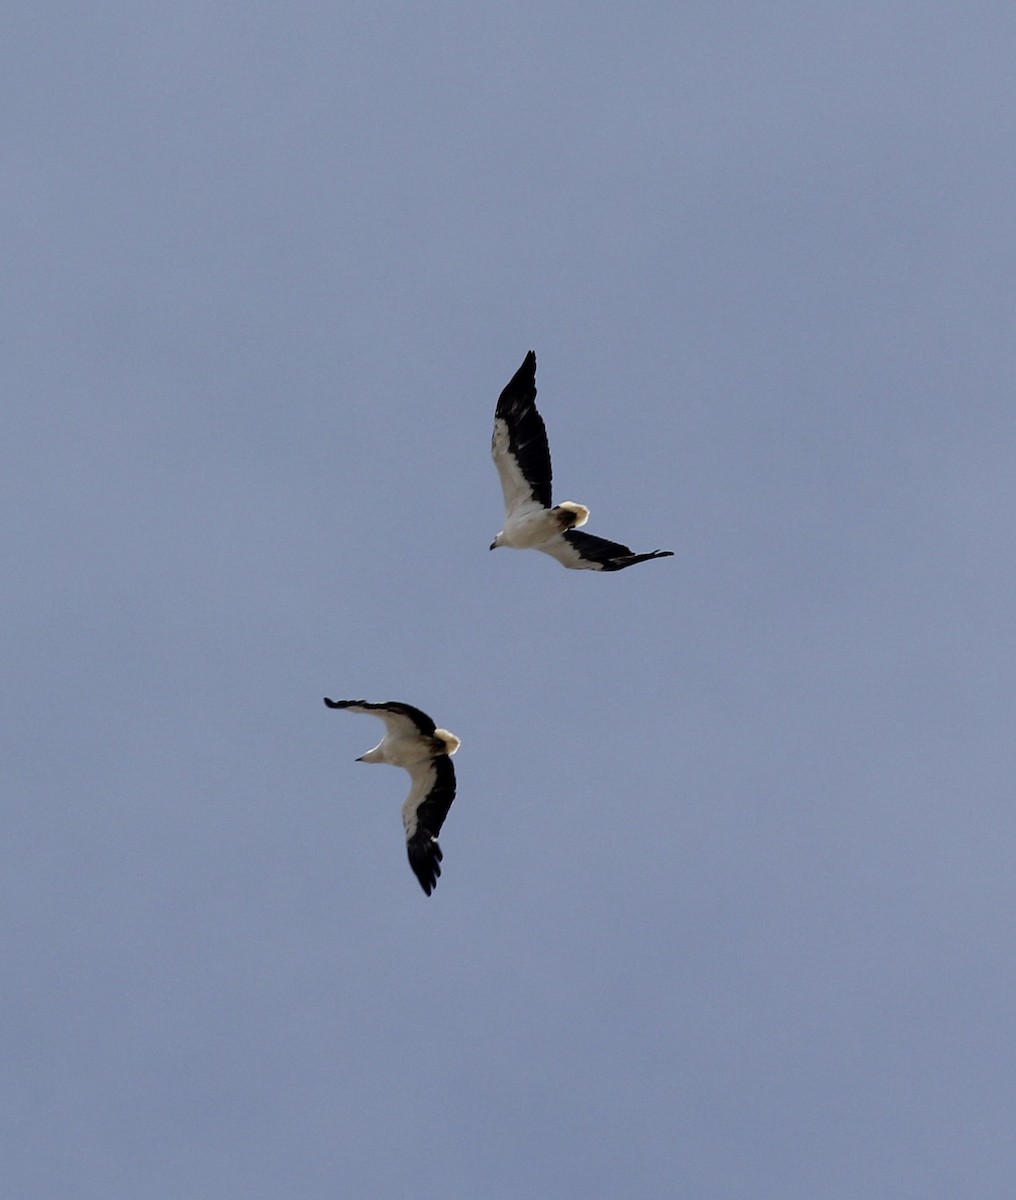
<point>400,719</point>
<point>519,444</point>
<point>430,797</point>
<point>585,552</point>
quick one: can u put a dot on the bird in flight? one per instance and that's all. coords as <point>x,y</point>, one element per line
<point>522,457</point>
<point>413,741</point>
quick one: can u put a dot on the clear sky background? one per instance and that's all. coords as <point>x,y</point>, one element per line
<point>728,901</point>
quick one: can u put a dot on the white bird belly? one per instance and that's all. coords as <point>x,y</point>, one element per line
<point>533,528</point>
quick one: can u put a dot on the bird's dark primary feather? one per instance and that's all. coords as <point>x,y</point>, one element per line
<point>612,556</point>
<point>527,434</point>
<point>422,848</point>
<point>419,718</point>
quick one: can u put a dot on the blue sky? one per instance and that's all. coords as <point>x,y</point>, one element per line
<point>728,890</point>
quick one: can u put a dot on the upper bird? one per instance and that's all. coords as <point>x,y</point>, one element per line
<point>522,457</point>
<point>413,741</point>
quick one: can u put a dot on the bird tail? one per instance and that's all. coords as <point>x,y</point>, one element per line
<point>445,742</point>
<point>572,515</point>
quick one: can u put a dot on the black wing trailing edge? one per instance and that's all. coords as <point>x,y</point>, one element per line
<point>527,434</point>
<point>609,556</point>
<point>419,718</point>
<point>424,852</point>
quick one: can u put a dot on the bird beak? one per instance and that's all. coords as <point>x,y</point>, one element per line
<point>358,759</point>
<point>493,545</point>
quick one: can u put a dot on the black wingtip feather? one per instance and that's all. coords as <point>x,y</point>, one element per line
<point>519,393</point>
<point>609,556</point>
<point>527,434</point>
<point>424,858</point>
<point>420,719</point>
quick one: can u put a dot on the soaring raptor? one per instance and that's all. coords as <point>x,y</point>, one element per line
<point>522,457</point>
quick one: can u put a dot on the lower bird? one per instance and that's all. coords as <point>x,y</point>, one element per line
<point>414,742</point>
<point>521,454</point>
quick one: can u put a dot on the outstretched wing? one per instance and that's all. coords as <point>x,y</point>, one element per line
<point>423,814</point>
<point>584,552</point>
<point>399,719</point>
<point>519,445</point>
